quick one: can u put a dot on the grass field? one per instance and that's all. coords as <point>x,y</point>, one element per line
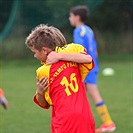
<point>18,80</point>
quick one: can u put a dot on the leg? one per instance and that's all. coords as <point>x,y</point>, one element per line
<point>94,93</point>
<point>100,105</point>
<point>91,86</point>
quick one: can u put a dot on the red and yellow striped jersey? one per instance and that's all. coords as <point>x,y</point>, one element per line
<point>67,94</point>
<point>76,48</point>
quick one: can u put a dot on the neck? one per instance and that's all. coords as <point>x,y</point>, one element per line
<point>79,24</point>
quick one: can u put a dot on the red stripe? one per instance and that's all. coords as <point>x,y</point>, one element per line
<point>36,101</point>
<point>87,67</point>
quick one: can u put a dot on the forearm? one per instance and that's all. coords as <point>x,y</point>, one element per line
<point>78,58</point>
<point>41,100</point>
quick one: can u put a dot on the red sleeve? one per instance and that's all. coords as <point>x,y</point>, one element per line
<point>85,69</point>
<point>89,66</point>
<point>36,102</point>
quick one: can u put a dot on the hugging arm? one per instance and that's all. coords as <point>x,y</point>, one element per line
<point>54,57</point>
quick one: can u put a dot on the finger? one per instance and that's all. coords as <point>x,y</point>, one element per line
<point>46,87</point>
<point>37,78</point>
<point>48,63</point>
<point>41,79</point>
<point>45,82</point>
<point>48,60</point>
<point>37,81</point>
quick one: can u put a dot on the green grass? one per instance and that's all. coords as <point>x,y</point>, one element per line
<point>18,81</point>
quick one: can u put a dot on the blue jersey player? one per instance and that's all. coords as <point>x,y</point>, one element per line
<point>84,35</point>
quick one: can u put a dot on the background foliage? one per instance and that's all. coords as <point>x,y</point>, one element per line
<point>111,21</point>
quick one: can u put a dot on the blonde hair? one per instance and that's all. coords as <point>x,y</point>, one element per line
<point>45,36</point>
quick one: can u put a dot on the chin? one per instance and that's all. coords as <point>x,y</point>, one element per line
<point>72,24</point>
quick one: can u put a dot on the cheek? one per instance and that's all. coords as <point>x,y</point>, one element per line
<point>42,57</point>
<point>38,56</point>
<point>71,20</point>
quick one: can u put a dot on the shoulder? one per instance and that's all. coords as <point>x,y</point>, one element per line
<point>71,48</point>
<point>75,48</point>
<point>43,71</point>
<point>73,45</point>
<point>40,68</point>
<point>89,30</point>
<point>77,30</point>
<point>82,30</point>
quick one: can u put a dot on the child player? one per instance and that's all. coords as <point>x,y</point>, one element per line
<point>3,100</point>
<point>66,93</point>
<point>84,35</point>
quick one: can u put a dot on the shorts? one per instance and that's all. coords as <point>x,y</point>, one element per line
<point>91,77</point>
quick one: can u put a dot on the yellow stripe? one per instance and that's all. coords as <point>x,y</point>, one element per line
<point>44,71</point>
<point>47,97</point>
<point>82,33</point>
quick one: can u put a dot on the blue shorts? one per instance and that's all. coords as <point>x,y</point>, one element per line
<point>91,77</point>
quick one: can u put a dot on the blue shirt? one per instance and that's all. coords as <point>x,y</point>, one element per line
<point>84,35</point>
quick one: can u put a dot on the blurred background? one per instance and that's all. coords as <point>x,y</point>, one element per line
<point>111,21</point>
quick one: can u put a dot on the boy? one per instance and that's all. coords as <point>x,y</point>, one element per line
<point>84,35</point>
<point>66,93</point>
<point>3,100</point>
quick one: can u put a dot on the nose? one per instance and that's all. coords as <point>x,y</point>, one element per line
<point>34,55</point>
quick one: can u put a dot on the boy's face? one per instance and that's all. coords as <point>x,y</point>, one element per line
<point>40,55</point>
<point>73,19</point>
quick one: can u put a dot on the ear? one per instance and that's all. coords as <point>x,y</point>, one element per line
<point>78,17</point>
<point>45,50</point>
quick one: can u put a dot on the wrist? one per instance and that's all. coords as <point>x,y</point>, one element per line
<point>40,93</point>
<point>60,56</point>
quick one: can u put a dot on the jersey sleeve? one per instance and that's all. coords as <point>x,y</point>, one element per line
<point>84,68</point>
<point>76,48</point>
<point>37,103</point>
<point>43,71</point>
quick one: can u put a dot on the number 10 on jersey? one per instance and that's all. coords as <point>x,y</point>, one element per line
<point>73,85</point>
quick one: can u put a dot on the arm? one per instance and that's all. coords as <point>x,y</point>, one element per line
<point>78,58</point>
<point>54,57</point>
<point>41,100</point>
<point>42,85</point>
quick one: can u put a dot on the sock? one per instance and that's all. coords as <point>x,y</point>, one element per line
<point>104,114</point>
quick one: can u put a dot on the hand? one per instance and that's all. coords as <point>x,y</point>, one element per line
<point>52,58</point>
<point>42,85</point>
